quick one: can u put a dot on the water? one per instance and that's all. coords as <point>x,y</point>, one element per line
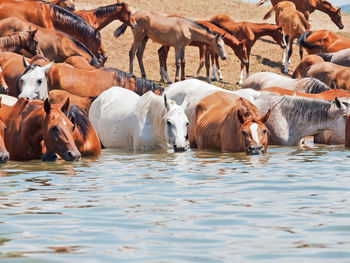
<point>287,206</point>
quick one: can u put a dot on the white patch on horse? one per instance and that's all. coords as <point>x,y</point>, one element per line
<point>254,130</point>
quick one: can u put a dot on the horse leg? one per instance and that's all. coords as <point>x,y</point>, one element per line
<point>207,64</point>
<point>240,80</point>
<point>216,57</point>
<point>213,66</point>
<point>161,55</point>
<point>301,52</point>
<point>285,49</point>
<point>178,50</point>
<point>290,51</point>
<point>132,52</point>
<point>183,63</point>
<point>139,55</point>
<point>201,60</point>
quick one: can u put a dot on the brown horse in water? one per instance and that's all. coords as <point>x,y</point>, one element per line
<point>3,85</point>
<point>309,6</point>
<point>169,31</point>
<point>237,46</point>
<point>323,41</point>
<point>100,17</point>
<point>250,32</point>
<point>293,24</point>
<point>51,16</point>
<point>35,126</point>
<point>229,123</point>
<point>55,45</point>
<point>20,40</point>
<point>4,155</point>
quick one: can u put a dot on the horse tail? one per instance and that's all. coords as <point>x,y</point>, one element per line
<point>303,20</point>
<point>303,42</point>
<point>120,30</point>
<point>325,56</point>
<point>268,14</point>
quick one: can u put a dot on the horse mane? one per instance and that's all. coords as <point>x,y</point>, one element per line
<point>14,40</point>
<point>141,85</point>
<point>302,41</point>
<point>70,19</point>
<point>103,10</point>
<point>81,120</point>
<point>315,86</point>
<point>224,28</point>
<point>329,5</point>
<point>325,56</point>
<point>202,26</point>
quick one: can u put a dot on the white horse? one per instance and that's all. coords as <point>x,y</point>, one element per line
<point>32,83</point>
<point>260,80</point>
<point>125,120</point>
<point>8,100</point>
<point>188,93</point>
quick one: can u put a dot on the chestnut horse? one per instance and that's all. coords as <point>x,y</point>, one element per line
<point>169,31</point>
<point>304,65</point>
<point>4,155</point>
<point>250,32</point>
<point>335,76</point>
<point>55,45</point>
<point>35,126</point>
<point>51,16</point>
<point>309,6</point>
<point>20,40</point>
<point>293,24</point>
<point>100,17</point>
<point>60,96</point>
<point>237,46</point>
<point>228,123</point>
<point>3,85</point>
<point>323,41</point>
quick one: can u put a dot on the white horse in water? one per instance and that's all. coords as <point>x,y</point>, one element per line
<point>125,120</point>
<point>292,118</point>
<point>32,83</point>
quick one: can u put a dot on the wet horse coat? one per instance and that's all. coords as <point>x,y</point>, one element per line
<point>4,155</point>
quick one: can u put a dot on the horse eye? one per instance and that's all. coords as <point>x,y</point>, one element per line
<point>264,131</point>
<point>244,133</point>
<point>187,123</point>
<point>39,81</point>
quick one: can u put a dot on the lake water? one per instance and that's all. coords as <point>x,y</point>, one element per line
<point>290,205</point>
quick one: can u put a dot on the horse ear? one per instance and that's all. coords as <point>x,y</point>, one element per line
<point>25,63</point>
<point>240,116</point>
<point>65,106</point>
<point>47,106</point>
<point>166,102</point>
<point>266,116</point>
<point>47,67</point>
<point>118,1</point>
<point>337,102</point>
<point>223,35</point>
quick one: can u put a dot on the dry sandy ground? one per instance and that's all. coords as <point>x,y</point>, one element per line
<point>265,56</point>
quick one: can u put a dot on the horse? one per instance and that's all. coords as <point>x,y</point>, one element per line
<point>347,133</point>
<point>304,65</point>
<point>250,32</point>
<point>237,46</point>
<point>80,82</point>
<point>54,45</point>
<point>261,80</point>
<point>51,16</point>
<point>79,62</point>
<point>100,17</point>
<point>84,135</point>
<point>138,123</point>
<point>309,6</point>
<point>60,96</point>
<point>228,123</point>
<point>169,31</point>
<point>341,57</point>
<point>323,41</point>
<point>333,75</point>
<point>293,24</point>
<point>20,40</point>
<point>4,155</point>
<point>34,127</point>
<point>66,4</point>
<point>292,118</point>
<point>3,85</point>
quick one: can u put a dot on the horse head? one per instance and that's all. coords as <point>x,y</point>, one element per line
<point>334,13</point>
<point>220,46</point>
<point>58,132</point>
<point>340,111</point>
<point>279,38</point>
<point>4,155</point>
<point>3,85</point>
<point>32,45</point>
<point>254,133</point>
<point>32,83</point>
<point>126,16</point>
<point>242,52</point>
<point>176,125</point>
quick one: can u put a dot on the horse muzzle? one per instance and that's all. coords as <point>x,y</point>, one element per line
<point>133,25</point>
<point>341,26</point>
<point>180,149</point>
<point>223,57</point>
<point>255,150</point>
<point>72,156</point>
<point>4,156</point>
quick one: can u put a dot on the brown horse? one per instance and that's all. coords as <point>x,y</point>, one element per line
<point>250,32</point>
<point>4,155</point>
<point>237,46</point>
<point>309,6</point>
<point>79,62</point>
<point>66,4</point>
<point>20,40</point>
<point>169,31</point>
<point>323,41</point>
<point>100,17</point>
<point>55,45</point>
<point>347,132</point>
<point>229,123</point>
<point>333,75</point>
<point>35,126</point>
<point>51,16</point>
<point>3,85</point>
<point>293,24</point>
<point>304,65</point>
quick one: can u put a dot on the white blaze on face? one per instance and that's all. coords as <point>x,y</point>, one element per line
<point>254,130</point>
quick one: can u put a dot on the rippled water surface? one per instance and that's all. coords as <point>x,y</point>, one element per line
<point>287,206</point>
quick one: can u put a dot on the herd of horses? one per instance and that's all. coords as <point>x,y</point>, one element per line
<point>59,100</point>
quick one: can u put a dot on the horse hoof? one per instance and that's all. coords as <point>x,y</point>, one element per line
<point>214,79</point>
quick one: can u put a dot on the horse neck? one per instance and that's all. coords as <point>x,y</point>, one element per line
<point>325,8</point>
<point>11,43</point>
<point>260,30</point>
<point>231,41</point>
